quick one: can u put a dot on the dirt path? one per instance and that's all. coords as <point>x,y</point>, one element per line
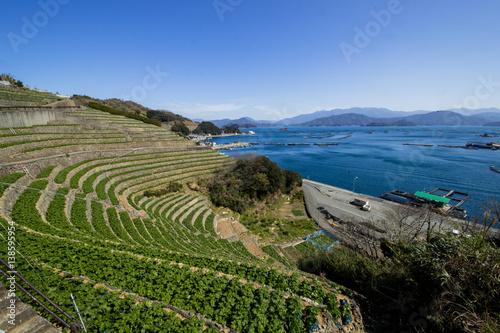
<point>225,227</point>
<point>230,228</point>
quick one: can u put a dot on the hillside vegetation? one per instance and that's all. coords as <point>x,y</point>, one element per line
<point>253,178</point>
<point>83,198</point>
<point>10,96</point>
<point>442,283</point>
<point>132,107</point>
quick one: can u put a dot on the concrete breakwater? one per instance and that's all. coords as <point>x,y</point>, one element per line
<point>227,146</point>
<point>298,144</point>
<point>418,144</point>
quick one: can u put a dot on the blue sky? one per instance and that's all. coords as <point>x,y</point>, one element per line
<point>267,59</point>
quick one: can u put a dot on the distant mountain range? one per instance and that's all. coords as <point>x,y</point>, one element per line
<point>376,117</point>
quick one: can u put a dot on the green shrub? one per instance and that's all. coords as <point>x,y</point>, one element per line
<point>298,212</point>
<point>251,179</point>
<point>165,116</point>
<point>456,274</point>
<point>231,130</point>
<point>207,127</point>
<point>181,128</point>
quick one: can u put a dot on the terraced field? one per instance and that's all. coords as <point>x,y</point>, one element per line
<point>72,195</point>
<point>24,97</point>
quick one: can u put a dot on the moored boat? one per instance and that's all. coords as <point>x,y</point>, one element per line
<point>489,145</point>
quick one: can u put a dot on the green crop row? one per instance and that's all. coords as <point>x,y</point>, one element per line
<point>209,225</point>
<point>198,223</point>
<point>131,230</point>
<point>75,144</point>
<point>210,170</point>
<point>103,310</point>
<point>165,236</point>
<point>15,143</point>
<point>57,133</point>
<point>141,228</point>
<point>79,215</point>
<point>25,212</point>
<point>100,188</point>
<point>268,277</point>
<point>7,180</point>
<point>116,225</point>
<point>56,215</point>
<point>273,253</point>
<point>170,209</point>
<point>61,176</point>
<point>46,172</point>
<point>87,184</point>
<point>188,221</point>
<point>99,223</point>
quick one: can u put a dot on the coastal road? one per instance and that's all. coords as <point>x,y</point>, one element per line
<point>336,201</point>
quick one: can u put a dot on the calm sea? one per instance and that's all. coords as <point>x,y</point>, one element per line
<point>380,161</point>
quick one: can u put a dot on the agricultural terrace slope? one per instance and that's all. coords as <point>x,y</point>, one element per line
<point>133,107</point>
<point>11,96</point>
<point>73,192</point>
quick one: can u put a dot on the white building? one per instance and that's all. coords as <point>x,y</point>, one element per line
<point>5,84</point>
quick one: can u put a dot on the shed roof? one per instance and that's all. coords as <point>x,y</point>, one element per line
<point>432,197</point>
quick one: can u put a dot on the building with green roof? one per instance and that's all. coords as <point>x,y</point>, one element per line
<point>432,197</point>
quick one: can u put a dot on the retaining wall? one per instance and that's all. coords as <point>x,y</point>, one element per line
<point>26,118</point>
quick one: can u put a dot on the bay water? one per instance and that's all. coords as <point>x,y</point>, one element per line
<point>373,160</point>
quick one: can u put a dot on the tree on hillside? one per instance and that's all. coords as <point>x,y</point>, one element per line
<point>165,116</point>
<point>231,130</point>
<point>180,128</point>
<point>253,178</point>
<point>207,127</point>
<point>11,79</point>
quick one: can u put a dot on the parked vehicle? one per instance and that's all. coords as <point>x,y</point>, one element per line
<point>362,204</point>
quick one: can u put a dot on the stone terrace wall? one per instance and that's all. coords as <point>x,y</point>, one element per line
<point>26,118</point>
